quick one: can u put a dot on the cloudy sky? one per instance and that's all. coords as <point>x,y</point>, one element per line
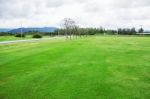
<point>87,13</point>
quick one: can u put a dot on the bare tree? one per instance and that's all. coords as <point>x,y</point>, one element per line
<point>76,31</point>
<point>68,25</point>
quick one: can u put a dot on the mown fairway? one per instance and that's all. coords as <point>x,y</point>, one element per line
<point>86,68</point>
<point>11,38</point>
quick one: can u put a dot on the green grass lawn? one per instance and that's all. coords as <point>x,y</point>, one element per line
<point>12,38</point>
<point>87,68</point>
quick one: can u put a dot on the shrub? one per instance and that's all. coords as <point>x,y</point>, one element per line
<point>37,35</point>
<point>20,35</point>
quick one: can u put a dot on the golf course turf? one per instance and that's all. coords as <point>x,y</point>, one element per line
<point>96,67</point>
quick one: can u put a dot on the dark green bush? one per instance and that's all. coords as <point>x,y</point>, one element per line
<point>20,35</point>
<point>5,34</point>
<point>37,35</point>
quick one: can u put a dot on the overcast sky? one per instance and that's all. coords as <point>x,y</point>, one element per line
<point>87,13</point>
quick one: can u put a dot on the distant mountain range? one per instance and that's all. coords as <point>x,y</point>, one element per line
<point>18,30</point>
<point>4,29</point>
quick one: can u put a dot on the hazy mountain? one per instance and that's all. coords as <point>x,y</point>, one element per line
<point>45,29</point>
<point>5,29</point>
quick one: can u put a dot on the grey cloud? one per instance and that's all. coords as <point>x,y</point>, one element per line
<point>89,11</point>
<point>93,7</point>
<point>14,8</point>
<point>130,3</point>
<point>59,3</point>
<point>22,8</point>
<point>55,3</point>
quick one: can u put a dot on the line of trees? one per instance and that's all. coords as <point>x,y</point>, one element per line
<point>77,31</point>
<point>71,30</point>
<point>80,31</point>
<point>93,31</point>
<point>5,34</point>
<point>127,31</point>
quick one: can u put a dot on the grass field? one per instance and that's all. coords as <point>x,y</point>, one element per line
<point>12,38</point>
<point>86,68</point>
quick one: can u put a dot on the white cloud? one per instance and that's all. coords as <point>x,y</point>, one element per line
<point>107,13</point>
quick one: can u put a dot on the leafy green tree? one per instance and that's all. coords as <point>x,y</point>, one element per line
<point>133,31</point>
<point>141,30</point>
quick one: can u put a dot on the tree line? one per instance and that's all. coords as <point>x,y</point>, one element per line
<point>71,30</point>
